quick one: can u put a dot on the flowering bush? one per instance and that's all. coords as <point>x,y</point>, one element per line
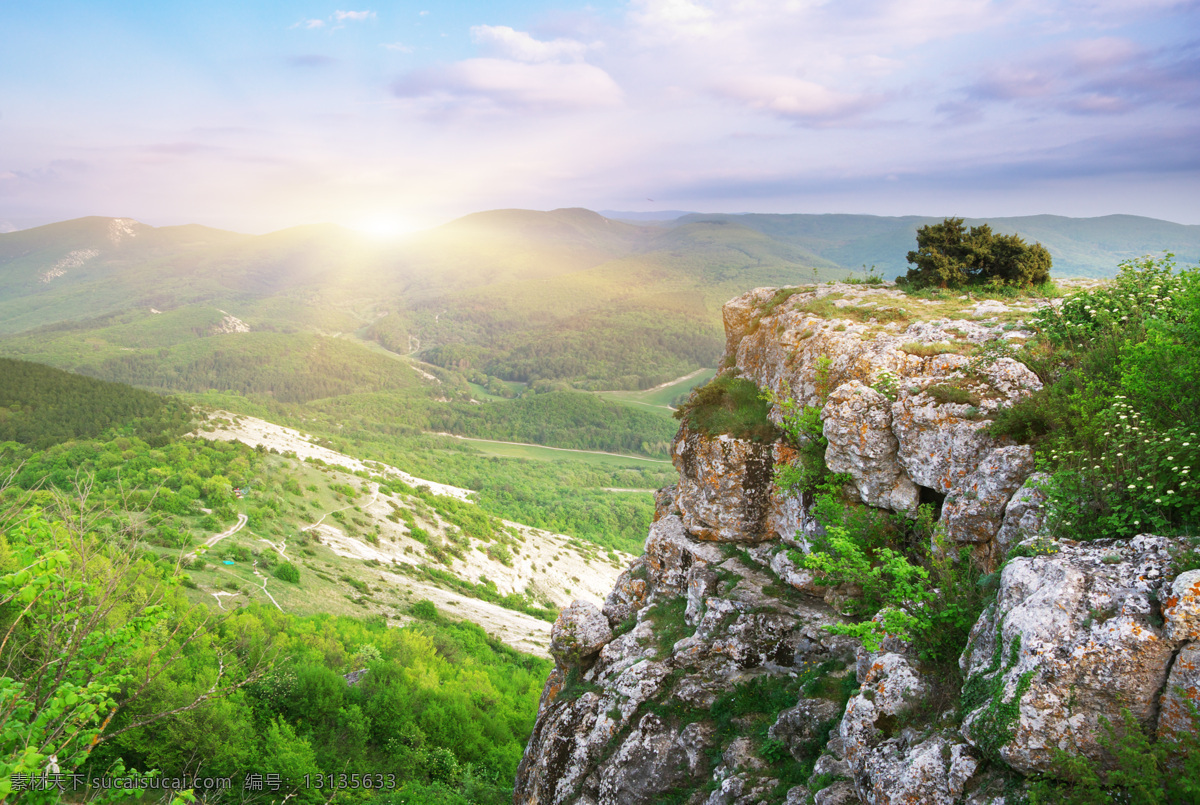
<point>1116,424</point>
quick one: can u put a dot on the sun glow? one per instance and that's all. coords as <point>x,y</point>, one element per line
<point>384,227</point>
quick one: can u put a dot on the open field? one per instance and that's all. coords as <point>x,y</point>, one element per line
<point>660,398</point>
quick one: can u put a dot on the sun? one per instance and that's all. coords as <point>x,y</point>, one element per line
<point>383,226</point>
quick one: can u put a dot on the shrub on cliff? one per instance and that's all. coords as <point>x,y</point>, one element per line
<point>1117,421</point>
<point>948,255</point>
<point>729,405</point>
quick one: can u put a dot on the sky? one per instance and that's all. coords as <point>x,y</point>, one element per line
<point>390,117</point>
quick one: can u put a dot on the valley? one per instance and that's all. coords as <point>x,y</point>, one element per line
<point>403,463</point>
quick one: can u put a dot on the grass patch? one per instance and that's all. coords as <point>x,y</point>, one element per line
<point>944,393</point>
<point>929,350</point>
<point>729,405</point>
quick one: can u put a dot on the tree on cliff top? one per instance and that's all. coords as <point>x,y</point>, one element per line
<point>949,255</point>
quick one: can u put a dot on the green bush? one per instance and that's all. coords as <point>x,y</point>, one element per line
<point>948,255</point>
<point>1116,423</point>
<point>1142,773</point>
<point>425,610</point>
<point>286,571</point>
<point>729,405</point>
<point>932,601</point>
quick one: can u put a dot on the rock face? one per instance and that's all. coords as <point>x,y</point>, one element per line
<point>580,631</point>
<point>724,489</point>
<point>711,678</point>
<point>857,423</point>
<point>1074,635</point>
<point>637,719</point>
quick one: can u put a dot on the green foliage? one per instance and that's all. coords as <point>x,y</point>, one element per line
<point>425,610</point>
<point>729,405</point>
<point>1142,773</point>
<point>993,728</point>
<point>933,602</point>
<point>948,255</point>
<point>802,428</point>
<point>40,406</point>
<point>1115,422</point>
<point>286,571</point>
<point>946,393</point>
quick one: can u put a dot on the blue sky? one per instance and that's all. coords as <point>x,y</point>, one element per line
<point>390,116</point>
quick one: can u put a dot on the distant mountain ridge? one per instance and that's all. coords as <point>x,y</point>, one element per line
<point>565,296</point>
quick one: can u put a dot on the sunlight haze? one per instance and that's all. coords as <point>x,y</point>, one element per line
<point>280,114</point>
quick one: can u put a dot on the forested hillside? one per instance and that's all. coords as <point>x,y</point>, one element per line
<point>143,644</point>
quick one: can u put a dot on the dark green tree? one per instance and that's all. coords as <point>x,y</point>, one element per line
<point>949,255</point>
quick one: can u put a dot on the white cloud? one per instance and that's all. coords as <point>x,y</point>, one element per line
<point>794,98</point>
<point>506,84</point>
<point>353,16</point>
<point>507,43</point>
<point>309,24</point>
<point>399,47</point>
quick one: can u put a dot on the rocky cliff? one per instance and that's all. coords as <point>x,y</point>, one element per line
<point>711,674</point>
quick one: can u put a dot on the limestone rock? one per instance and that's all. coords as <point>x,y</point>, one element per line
<point>1183,686</point>
<point>579,633</point>
<point>799,726</point>
<point>652,760</point>
<point>670,553</point>
<point>891,687</point>
<point>1181,610</point>
<point>858,426</point>
<point>739,315</point>
<point>974,511</point>
<point>724,488</point>
<point>1023,516</point>
<point>701,583</point>
<point>1072,636</point>
<point>938,445</point>
<point>628,594</point>
<point>664,502</point>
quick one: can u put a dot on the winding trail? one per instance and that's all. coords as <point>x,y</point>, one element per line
<point>662,386</point>
<point>215,538</point>
<point>374,497</point>
<point>254,568</point>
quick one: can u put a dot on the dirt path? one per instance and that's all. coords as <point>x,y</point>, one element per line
<point>545,447</point>
<point>374,497</point>
<point>215,538</point>
<point>662,386</point>
<point>254,567</point>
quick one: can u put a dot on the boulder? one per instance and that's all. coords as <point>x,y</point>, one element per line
<point>725,486</point>
<point>1073,636</point>
<point>1023,515</point>
<point>973,512</point>
<point>653,759</point>
<point>669,554</point>
<point>1181,694</point>
<point>579,633</point>
<point>1181,610</point>
<point>938,446</point>
<point>628,594</point>
<point>857,423</point>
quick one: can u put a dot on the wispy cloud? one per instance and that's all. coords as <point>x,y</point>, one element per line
<point>1107,76</point>
<point>507,43</point>
<point>399,47</point>
<point>796,99</point>
<point>506,85</point>
<point>353,16</point>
